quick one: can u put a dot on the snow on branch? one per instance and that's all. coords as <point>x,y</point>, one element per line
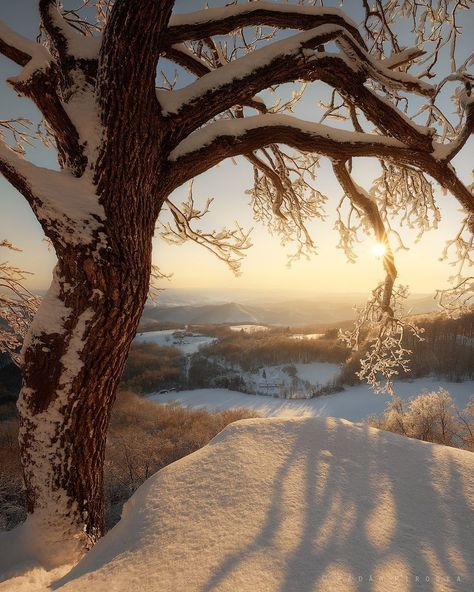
<point>228,245</point>
<point>65,36</point>
<point>237,129</point>
<point>66,206</point>
<point>32,56</point>
<point>223,20</point>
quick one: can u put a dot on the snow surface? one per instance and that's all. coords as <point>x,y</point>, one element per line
<point>189,344</point>
<point>293,505</point>
<point>355,403</point>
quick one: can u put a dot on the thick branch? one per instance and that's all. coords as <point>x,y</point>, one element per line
<point>71,49</point>
<point>17,48</point>
<point>220,21</point>
<point>66,207</point>
<point>289,60</point>
<point>52,21</point>
<point>227,138</point>
<point>181,55</point>
<point>38,81</point>
<point>42,90</point>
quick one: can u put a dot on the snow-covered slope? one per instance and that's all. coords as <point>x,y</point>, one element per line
<point>355,403</point>
<point>294,505</point>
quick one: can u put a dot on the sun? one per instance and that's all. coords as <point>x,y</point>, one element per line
<point>379,250</point>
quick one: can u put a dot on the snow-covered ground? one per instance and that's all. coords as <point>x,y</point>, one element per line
<point>249,328</point>
<point>188,344</point>
<point>304,336</point>
<point>355,403</point>
<point>292,505</point>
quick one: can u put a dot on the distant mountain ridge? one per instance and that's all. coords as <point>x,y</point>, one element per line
<point>295,313</point>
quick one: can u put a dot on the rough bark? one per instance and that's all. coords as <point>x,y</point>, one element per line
<point>70,380</point>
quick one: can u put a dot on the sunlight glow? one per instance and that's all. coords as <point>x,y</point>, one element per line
<point>379,250</point>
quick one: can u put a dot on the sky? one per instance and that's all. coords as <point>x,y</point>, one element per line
<point>265,266</point>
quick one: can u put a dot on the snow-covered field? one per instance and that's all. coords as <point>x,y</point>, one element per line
<point>304,336</point>
<point>249,328</point>
<point>292,505</point>
<point>355,403</point>
<point>188,344</point>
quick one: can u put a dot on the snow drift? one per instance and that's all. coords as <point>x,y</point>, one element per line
<point>294,505</point>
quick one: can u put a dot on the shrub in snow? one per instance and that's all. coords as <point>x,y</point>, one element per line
<point>432,417</point>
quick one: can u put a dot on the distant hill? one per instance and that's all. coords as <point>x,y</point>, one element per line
<point>295,313</point>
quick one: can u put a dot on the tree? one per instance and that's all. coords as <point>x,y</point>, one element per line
<point>123,147</point>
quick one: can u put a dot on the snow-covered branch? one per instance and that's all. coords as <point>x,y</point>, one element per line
<point>301,56</point>
<point>220,21</point>
<point>226,138</point>
<point>66,207</point>
<point>65,40</point>
<point>26,53</point>
<point>38,81</point>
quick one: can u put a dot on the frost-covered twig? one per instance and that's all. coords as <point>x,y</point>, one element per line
<point>17,306</point>
<point>228,245</point>
<point>382,331</point>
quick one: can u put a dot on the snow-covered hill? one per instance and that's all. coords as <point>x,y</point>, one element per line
<point>293,505</point>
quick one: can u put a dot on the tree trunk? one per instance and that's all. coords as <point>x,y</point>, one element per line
<point>72,362</point>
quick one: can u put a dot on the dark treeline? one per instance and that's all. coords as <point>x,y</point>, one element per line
<point>446,351</point>
<point>151,367</point>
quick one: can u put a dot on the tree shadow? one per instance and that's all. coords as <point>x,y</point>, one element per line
<point>362,501</point>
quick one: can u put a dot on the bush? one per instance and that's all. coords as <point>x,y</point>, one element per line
<point>12,502</point>
<point>431,417</point>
